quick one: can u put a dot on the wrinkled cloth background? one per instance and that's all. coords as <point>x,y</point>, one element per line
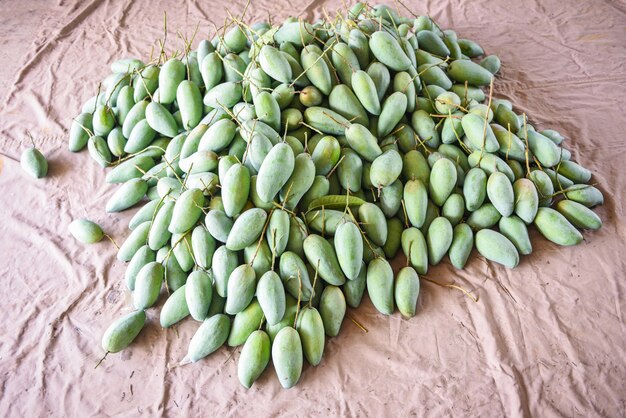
<point>546,339</point>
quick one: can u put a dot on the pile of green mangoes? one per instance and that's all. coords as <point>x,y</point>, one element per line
<point>281,167</point>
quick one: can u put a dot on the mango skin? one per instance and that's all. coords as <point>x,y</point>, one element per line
<point>500,193</point>
<point>254,358</point>
<point>34,163</point>
<point>244,324</point>
<point>415,249</point>
<point>474,188</point>
<point>526,199</point>
<point>380,285</point>
<point>353,289</point>
<point>439,239</point>
<point>465,70</point>
<point>585,195</point>
<point>311,329</point>
<point>210,336</point>
<point>556,228</point>
<point>406,291</point>
<point>175,308</point>
<point>86,231</point>
<point>461,246</point>
<point>332,309</point>
<point>123,331</point>
<point>317,249</point>
<point>579,215</point>
<point>496,247</point>
<point>287,357</point>
<point>349,249</point>
<point>515,230</point>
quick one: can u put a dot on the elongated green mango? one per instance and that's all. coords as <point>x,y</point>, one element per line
<point>161,120</point>
<point>326,155</point>
<point>182,251</point>
<point>354,289</point>
<point>123,331</point>
<point>326,120</point>
<point>255,355</point>
<point>496,247</point>
<point>574,172</point>
<point>159,234</point>
<point>246,229</point>
<point>241,288</point>
<point>363,142</point>
<point>556,228</point>
<point>578,214</point>
<point>171,75</point>
<point>526,199</point>
<point>210,336</point>
<point>203,246</point>
<point>275,171</point>
<point>287,357</point>
<point>415,249</point>
<point>443,179</point>
<point>235,189</point>
<point>332,309</point>
<point>406,291</point>
<point>349,249</point>
<point>516,231</point>
<point>373,222</point>
<point>387,50</point>
<point>461,246</point>
<point>365,90</point>
<point>218,224</point>
<point>500,193</point>
<point>343,101</point>
<point>199,294</point>
<point>79,132</point>
<point>479,133</point>
<point>127,195</point>
<point>470,48</point>
<point>275,64</point>
<point>271,296</point>
<point>416,202</point>
<point>321,256</point>
<point>546,151</point>
<point>466,70</point>
<point>211,70</point>
<point>311,329</point>
<point>295,276</point>
<point>224,263</point>
<point>439,239</point>
<point>223,95</point>
<point>142,256</point>
<point>245,323</point>
<point>432,43</point>
<point>415,166</point>
<point>454,208</point>
<point>380,284</point>
<point>425,128</point>
<point>190,104</point>
<point>175,308</point>
<point>86,231</point>
<point>393,110</point>
<point>148,285</point>
<point>386,168</point>
<point>316,69</point>
<point>585,195</point>
<point>187,211</point>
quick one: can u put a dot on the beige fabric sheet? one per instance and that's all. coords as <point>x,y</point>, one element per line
<point>546,339</point>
